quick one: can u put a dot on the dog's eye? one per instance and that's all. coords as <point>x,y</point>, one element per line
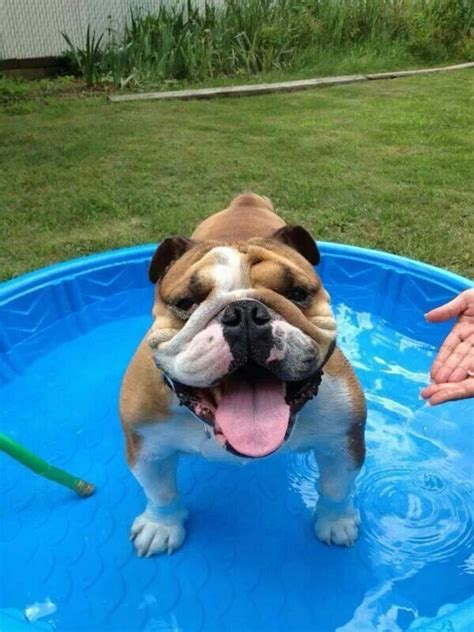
<point>298,294</point>
<point>185,304</point>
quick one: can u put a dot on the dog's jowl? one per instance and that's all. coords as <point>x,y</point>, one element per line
<point>241,361</point>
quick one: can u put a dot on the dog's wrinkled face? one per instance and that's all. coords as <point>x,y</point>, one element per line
<point>241,332</point>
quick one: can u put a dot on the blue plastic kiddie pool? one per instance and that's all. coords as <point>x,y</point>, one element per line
<point>250,562</point>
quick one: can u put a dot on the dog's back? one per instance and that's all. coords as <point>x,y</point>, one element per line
<point>248,215</point>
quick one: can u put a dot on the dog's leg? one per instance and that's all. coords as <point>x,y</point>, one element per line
<point>337,519</point>
<point>160,527</point>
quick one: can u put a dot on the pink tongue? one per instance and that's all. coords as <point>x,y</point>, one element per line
<point>253,417</point>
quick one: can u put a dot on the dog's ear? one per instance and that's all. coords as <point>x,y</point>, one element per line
<point>298,238</point>
<point>169,251</point>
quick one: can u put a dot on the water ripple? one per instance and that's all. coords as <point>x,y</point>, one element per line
<point>412,514</point>
<point>303,476</point>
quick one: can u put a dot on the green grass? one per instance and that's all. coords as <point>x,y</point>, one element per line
<point>382,164</point>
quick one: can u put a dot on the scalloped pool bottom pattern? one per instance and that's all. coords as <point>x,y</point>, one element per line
<point>250,561</point>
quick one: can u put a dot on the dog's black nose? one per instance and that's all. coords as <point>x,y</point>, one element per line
<point>232,316</point>
<point>260,315</point>
<point>248,331</point>
<point>245,314</point>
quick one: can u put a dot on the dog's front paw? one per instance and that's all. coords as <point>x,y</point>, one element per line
<point>333,528</point>
<point>152,536</point>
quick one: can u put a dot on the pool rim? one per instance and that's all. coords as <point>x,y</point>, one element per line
<point>120,256</point>
<point>58,272</point>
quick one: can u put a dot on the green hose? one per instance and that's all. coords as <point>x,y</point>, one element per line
<point>43,468</point>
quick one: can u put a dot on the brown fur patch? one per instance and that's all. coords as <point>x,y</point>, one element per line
<point>338,366</point>
<point>248,215</point>
<point>273,266</point>
<point>177,277</point>
<point>144,397</point>
<point>356,442</point>
<point>132,446</point>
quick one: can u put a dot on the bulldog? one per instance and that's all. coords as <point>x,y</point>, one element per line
<point>240,362</point>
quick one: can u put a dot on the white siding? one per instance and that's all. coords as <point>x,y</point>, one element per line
<point>32,28</point>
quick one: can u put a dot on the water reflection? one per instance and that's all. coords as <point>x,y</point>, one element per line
<point>415,491</point>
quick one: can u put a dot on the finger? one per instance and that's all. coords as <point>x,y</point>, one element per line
<point>428,391</point>
<point>447,349</point>
<point>464,369</point>
<point>456,359</point>
<point>448,310</point>
<point>470,338</point>
<point>460,333</point>
<point>453,391</point>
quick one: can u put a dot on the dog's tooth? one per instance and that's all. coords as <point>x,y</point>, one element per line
<point>217,394</point>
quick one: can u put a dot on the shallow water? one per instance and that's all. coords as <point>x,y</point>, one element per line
<point>415,490</point>
<point>250,561</point>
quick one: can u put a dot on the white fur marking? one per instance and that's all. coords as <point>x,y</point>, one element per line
<point>160,527</point>
<point>227,271</point>
<point>337,528</point>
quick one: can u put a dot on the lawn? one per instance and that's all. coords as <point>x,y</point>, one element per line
<point>383,164</point>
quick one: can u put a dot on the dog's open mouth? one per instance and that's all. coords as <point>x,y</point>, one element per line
<point>251,411</point>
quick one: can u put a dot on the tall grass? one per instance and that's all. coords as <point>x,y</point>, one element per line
<point>88,59</point>
<point>246,37</point>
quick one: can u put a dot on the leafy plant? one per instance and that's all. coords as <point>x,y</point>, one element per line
<point>191,42</point>
<point>87,59</point>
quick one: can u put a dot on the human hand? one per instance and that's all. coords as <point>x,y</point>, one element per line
<point>439,393</point>
<point>453,369</point>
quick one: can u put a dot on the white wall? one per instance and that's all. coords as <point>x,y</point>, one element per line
<point>32,28</point>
